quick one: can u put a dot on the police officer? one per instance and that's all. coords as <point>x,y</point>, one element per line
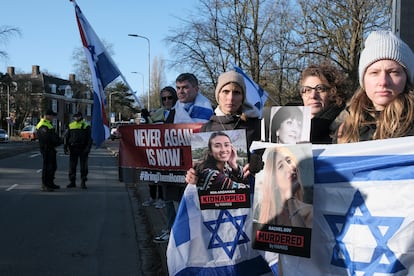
<point>78,144</point>
<point>48,141</point>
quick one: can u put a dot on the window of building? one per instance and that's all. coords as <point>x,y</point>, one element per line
<point>89,110</point>
<point>54,105</point>
<point>52,88</point>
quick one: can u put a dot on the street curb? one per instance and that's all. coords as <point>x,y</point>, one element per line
<point>157,218</point>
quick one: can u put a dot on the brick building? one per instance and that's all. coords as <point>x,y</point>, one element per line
<point>30,95</point>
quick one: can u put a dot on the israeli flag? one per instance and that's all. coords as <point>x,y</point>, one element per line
<point>255,95</point>
<point>214,242</point>
<point>363,211</point>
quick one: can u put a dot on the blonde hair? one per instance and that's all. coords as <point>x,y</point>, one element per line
<point>394,121</point>
<point>271,203</point>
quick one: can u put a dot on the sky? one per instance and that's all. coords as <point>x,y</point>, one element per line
<point>49,34</point>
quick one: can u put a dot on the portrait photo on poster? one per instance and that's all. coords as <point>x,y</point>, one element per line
<point>219,158</point>
<point>286,124</point>
<point>283,198</point>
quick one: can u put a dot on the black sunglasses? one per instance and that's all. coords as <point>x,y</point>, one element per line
<point>168,97</point>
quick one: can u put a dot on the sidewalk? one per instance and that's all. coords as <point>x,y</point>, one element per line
<point>157,218</point>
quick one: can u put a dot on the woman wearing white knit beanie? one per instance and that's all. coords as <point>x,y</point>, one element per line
<point>384,105</point>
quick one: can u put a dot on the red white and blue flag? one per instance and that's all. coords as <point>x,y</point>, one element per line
<point>103,71</point>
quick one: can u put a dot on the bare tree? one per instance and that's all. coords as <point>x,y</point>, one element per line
<point>81,66</point>
<point>226,32</point>
<point>157,81</point>
<point>335,29</point>
<point>5,33</point>
<point>123,103</point>
<point>274,40</point>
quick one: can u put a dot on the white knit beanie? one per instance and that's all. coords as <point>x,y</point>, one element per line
<point>229,77</point>
<point>385,45</point>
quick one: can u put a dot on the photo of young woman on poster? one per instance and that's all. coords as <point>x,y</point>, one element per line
<point>219,169</point>
<point>279,194</point>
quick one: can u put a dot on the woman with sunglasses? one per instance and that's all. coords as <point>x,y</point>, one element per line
<point>323,88</point>
<point>165,114</point>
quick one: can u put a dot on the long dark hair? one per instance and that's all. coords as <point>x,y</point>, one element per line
<point>209,161</point>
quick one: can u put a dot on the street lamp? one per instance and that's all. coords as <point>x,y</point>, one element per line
<point>8,106</point>
<point>149,64</point>
<point>109,104</point>
<point>142,76</point>
<point>8,111</point>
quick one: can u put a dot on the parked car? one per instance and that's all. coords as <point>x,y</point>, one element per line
<point>28,133</point>
<point>3,136</point>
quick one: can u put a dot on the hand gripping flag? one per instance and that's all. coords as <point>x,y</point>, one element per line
<point>255,95</point>
<point>363,210</point>
<point>214,242</point>
<point>103,71</point>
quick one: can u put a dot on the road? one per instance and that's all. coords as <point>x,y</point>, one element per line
<point>70,231</point>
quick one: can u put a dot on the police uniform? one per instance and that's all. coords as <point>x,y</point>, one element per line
<point>78,144</point>
<point>48,141</point>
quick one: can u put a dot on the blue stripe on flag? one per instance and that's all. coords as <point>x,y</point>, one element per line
<point>107,71</point>
<point>201,112</point>
<point>329,169</point>
<point>97,126</point>
<point>181,226</point>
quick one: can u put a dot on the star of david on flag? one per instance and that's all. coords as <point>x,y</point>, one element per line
<point>363,210</point>
<point>239,237</point>
<point>214,242</point>
<point>381,230</point>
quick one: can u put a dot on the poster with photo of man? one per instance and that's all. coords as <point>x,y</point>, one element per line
<point>286,124</point>
<point>219,159</point>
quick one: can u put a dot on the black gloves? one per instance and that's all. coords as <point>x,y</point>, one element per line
<point>256,163</point>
